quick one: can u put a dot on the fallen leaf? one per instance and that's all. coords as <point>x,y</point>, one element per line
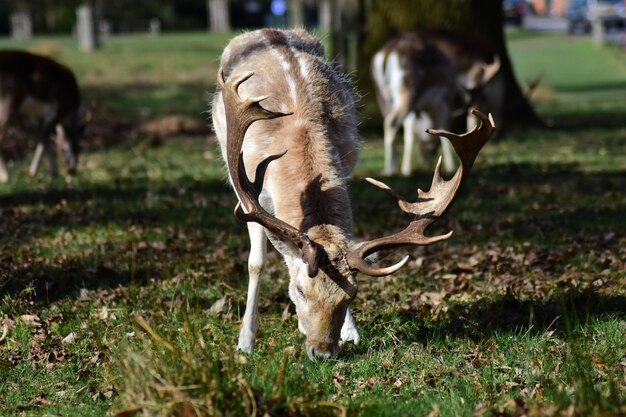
<point>103,314</point>
<point>30,320</point>
<point>69,339</point>
<point>5,329</point>
<point>219,306</point>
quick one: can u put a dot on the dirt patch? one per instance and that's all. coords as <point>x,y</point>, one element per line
<point>106,129</point>
<point>172,125</point>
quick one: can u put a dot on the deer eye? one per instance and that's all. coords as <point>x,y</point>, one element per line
<point>300,292</point>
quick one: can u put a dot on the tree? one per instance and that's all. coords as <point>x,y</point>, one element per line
<point>476,17</point>
<point>218,16</point>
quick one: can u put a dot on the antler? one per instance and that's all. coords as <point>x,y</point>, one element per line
<point>430,205</point>
<point>490,70</point>
<point>240,114</point>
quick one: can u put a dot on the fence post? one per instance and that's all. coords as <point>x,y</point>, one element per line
<point>219,17</point>
<point>21,25</point>
<point>88,39</point>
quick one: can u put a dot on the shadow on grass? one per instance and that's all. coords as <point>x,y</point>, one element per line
<point>483,319</point>
<point>189,216</point>
<point>116,234</point>
<point>546,203</point>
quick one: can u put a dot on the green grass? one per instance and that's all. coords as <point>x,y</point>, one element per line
<point>520,312</point>
<point>140,75</point>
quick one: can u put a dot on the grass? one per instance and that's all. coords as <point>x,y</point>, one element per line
<point>122,287</point>
<point>140,76</point>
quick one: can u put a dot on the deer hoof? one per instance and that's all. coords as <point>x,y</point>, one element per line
<point>246,341</point>
<point>349,333</point>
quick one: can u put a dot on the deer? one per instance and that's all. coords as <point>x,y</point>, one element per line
<point>418,83</point>
<point>286,124</point>
<point>477,65</point>
<point>42,97</point>
<point>413,79</point>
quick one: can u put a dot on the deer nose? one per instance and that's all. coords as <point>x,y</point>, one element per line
<point>321,351</point>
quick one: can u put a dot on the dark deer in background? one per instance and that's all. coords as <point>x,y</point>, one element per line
<point>414,82</point>
<point>42,97</point>
<point>477,65</point>
<point>289,160</point>
<point>422,80</point>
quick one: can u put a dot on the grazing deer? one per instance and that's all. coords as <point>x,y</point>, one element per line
<point>477,65</point>
<point>413,79</point>
<point>299,148</point>
<point>418,78</point>
<point>42,97</point>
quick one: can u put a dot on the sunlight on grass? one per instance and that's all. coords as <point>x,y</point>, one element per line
<point>123,287</point>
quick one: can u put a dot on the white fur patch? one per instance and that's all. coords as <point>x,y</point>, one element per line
<point>394,75</point>
<point>284,63</point>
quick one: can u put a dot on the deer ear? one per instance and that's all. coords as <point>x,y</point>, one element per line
<point>311,255</point>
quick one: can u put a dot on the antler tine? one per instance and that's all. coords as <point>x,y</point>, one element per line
<point>430,205</point>
<point>240,114</point>
<point>468,145</point>
<point>490,70</point>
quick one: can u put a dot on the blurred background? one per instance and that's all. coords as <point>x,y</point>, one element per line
<point>521,312</point>
<point>353,31</point>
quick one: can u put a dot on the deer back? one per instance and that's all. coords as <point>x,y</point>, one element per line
<point>307,186</point>
<point>28,76</point>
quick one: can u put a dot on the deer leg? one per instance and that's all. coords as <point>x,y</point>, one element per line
<point>449,163</point>
<point>4,174</point>
<point>256,262</point>
<point>392,125</point>
<point>443,118</point>
<point>34,165</point>
<point>409,139</point>
<point>348,330</point>
<point>51,156</point>
<point>427,143</point>
<point>5,116</point>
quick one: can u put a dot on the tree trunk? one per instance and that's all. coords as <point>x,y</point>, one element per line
<point>324,11</point>
<point>475,17</point>
<point>296,14</point>
<point>86,29</point>
<point>218,15</point>
<point>21,25</point>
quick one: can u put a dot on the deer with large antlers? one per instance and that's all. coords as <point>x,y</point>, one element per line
<point>286,124</point>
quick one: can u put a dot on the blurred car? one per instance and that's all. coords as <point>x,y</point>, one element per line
<point>514,11</point>
<point>581,13</point>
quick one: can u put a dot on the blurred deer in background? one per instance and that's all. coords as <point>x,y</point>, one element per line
<point>421,79</point>
<point>413,79</point>
<point>42,97</point>
<point>477,65</point>
<point>300,147</point>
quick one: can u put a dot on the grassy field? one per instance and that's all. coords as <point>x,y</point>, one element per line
<point>122,288</point>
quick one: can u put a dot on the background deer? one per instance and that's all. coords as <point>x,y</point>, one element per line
<point>413,80</point>
<point>300,147</point>
<point>42,97</point>
<point>421,80</point>
<point>477,66</point>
